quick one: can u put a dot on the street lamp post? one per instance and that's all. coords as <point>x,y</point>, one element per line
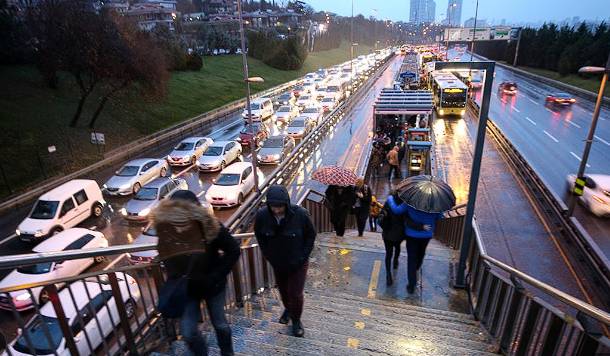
<point>248,80</point>
<point>474,32</point>
<point>579,184</point>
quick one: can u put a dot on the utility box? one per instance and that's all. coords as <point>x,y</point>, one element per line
<point>418,151</point>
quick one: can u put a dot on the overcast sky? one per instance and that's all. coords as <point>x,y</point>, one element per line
<point>511,10</point>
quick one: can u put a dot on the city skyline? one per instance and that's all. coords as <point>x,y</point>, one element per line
<point>513,12</point>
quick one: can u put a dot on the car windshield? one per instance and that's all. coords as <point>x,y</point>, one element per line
<point>150,231</point>
<point>146,193</point>
<point>255,106</point>
<point>228,179</point>
<point>332,88</point>
<point>250,129</point>
<point>274,142</point>
<point>36,332</point>
<point>128,171</point>
<point>297,88</point>
<point>283,109</point>
<point>213,151</point>
<point>44,209</point>
<point>184,146</point>
<point>305,97</point>
<point>39,268</point>
<point>327,100</point>
<point>310,111</point>
<point>297,123</point>
<point>563,96</point>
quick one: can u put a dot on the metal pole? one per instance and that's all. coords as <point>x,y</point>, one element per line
<point>590,136</point>
<point>474,32</point>
<point>517,49</point>
<point>474,175</point>
<point>246,76</point>
<point>351,57</point>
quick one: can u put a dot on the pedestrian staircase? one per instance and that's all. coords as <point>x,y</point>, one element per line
<point>341,318</point>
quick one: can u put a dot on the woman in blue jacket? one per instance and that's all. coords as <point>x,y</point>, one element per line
<point>417,240</point>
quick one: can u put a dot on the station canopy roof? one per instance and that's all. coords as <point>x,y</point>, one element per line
<point>403,102</point>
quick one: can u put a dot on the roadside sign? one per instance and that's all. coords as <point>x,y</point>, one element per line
<point>98,138</point>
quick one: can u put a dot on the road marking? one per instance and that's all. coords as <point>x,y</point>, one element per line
<point>602,140</point>
<point>533,101</point>
<point>184,171</point>
<point>578,158</point>
<point>517,110</point>
<point>549,110</point>
<point>7,239</point>
<point>551,136</point>
<point>353,343</point>
<point>365,311</point>
<point>359,325</point>
<point>573,124</point>
<point>374,279</point>
<point>530,120</point>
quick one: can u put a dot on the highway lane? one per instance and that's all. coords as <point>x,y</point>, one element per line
<point>552,139</point>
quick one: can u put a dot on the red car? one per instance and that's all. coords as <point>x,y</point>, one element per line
<point>296,91</point>
<point>257,131</point>
<point>508,88</point>
<point>563,99</point>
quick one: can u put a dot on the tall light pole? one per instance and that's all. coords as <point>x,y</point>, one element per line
<point>374,27</point>
<point>579,184</point>
<point>474,32</point>
<point>351,56</point>
<point>248,80</point>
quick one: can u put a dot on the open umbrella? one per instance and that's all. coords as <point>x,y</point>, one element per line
<point>334,175</point>
<point>426,193</point>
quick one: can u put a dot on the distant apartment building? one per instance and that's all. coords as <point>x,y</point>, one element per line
<point>213,7</point>
<point>149,15</point>
<point>119,6</point>
<point>454,13</point>
<point>422,11</point>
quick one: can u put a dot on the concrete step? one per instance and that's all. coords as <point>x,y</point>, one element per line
<point>329,304</point>
<point>384,337</point>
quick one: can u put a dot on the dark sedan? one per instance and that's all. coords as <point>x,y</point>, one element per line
<point>563,99</point>
<point>508,88</point>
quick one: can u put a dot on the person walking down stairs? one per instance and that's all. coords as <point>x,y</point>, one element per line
<point>286,237</point>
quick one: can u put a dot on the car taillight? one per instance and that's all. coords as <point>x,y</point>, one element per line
<point>572,100</point>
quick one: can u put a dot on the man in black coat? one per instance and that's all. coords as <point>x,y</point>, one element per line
<point>190,241</point>
<point>286,236</point>
<point>339,200</point>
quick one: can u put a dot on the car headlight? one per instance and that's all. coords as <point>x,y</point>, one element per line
<point>144,212</point>
<point>123,211</point>
<point>23,297</point>
<point>462,112</point>
<point>17,232</point>
<point>104,186</point>
<point>38,233</point>
<point>442,112</point>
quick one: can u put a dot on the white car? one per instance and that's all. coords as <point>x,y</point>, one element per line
<point>260,108</point>
<point>328,104</point>
<point>218,155</point>
<point>68,240</point>
<point>188,151</point>
<point>285,113</point>
<point>313,113</point>
<point>233,185</point>
<point>88,295</point>
<point>134,174</point>
<point>596,195</point>
<point>305,100</point>
<point>138,208</point>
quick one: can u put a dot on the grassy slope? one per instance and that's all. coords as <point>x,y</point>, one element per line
<point>34,116</point>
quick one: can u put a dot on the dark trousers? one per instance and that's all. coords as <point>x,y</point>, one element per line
<point>291,285</point>
<point>373,223</point>
<point>338,218</point>
<point>392,248</point>
<point>416,250</point>
<point>190,330</point>
<point>362,214</point>
<point>396,170</point>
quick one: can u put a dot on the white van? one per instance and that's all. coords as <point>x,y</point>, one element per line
<point>261,109</point>
<point>62,208</point>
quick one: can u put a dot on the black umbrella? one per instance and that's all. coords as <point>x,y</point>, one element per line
<point>426,193</point>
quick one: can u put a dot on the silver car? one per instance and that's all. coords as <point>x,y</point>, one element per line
<point>134,174</point>
<point>219,155</point>
<point>188,151</point>
<point>275,149</point>
<point>314,113</point>
<point>299,127</point>
<point>150,195</point>
<point>285,113</point>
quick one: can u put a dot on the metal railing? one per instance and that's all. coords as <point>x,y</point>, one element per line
<point>449,230</point>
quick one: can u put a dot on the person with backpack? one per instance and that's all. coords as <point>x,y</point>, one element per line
<point>190,241</point>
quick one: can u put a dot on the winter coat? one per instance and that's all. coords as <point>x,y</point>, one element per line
<point>417,216</point>
<point>286,244</point>
<point>393,157</point>
<point>402,152</point>
<point>185,227</point>
<point>365,201</point>
<point>375,207</point>
<point>343,201</point>
<point>395,231</point>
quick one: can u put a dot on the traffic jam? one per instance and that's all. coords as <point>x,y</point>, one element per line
<point>86,213</point>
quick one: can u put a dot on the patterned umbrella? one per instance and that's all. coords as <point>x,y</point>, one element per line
<point>334,175</point>
<point>426,193</point>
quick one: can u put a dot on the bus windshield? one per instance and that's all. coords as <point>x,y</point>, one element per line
<point>455,98</point>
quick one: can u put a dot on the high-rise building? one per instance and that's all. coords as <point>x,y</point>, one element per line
<point>422,11</point>
<point>454,13</point>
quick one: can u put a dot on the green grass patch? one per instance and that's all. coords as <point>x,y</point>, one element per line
<point>35,116</point>
<point>591,84</point>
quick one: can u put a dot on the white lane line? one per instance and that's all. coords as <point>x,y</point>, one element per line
<point>578,158</point>
<point>517,110</point>
<point>7,239</point>
<point>602,140</point>
<point>530,120</point>
<point>575,125</point>
<point>551,136</point>
<point>549,110</point>
<point>533,101</point>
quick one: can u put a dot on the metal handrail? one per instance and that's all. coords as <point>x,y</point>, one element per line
<point>574,302</point>
<point>14,261</point>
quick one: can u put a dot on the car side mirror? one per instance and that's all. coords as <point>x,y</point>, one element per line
<point>141,173</point>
